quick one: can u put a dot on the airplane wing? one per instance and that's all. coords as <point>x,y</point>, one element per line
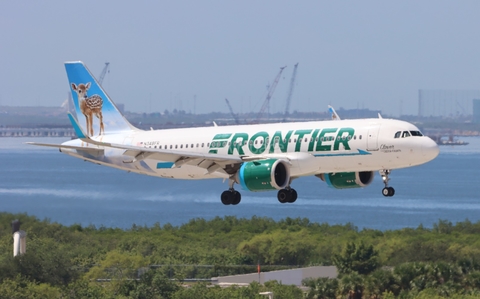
<point>93,150</point>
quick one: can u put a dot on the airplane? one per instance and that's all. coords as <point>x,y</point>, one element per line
<point>259,157</point>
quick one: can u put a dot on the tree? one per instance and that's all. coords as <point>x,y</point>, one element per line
<point>361,259</point>
<point>352,285</point>
<point>321,288</point>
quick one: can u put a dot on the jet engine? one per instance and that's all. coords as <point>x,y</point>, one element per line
<point>344,180</point>
<point>263,175</point>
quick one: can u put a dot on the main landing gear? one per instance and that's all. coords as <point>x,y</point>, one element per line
<point>231,196</point>
<point>287,195</point>
<point>387,191</point>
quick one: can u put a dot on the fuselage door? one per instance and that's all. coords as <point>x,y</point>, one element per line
<point>372,138</point>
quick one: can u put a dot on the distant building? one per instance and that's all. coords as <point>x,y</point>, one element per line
<point>476,110</point>
<point>446,103</point>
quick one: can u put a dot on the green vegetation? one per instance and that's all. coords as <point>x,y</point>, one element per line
<point>154,262</point>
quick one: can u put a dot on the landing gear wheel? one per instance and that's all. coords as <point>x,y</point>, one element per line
<point>231,197</point>
<point>391,191</point>
<point>287,195</point>
<point>388,191</point>
<point>293,196</point>
<point>283,196</point>
<point>237,197</point>
<point>385,191</point>
<point>227,197</point>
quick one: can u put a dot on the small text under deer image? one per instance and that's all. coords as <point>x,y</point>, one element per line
<point>89,106</point>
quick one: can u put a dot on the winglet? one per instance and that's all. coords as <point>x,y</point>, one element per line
<point>76,127</point>
<point>333,113</point>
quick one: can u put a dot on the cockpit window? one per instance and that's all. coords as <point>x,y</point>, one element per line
<point>407,134</point>
<point>416,133</point>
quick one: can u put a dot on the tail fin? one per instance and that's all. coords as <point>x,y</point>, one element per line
<point>93,104</point>
<point>333,113</point>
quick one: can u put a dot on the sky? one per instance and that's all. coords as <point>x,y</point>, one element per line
<point>191,55</point>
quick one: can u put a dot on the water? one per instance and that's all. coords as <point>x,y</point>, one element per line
<point>45,183</point>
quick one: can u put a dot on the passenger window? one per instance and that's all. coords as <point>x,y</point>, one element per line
<point>170,146</point>
<point>360,137</point>
<point>176,146</point>
<point>397,135</point>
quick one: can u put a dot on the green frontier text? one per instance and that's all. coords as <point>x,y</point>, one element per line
<point>318,140</point>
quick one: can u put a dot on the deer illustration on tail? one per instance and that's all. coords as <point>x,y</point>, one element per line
<point>89,106</point>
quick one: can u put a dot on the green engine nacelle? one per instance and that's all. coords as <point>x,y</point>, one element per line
<point>343,180</point>
<point>264,175</point>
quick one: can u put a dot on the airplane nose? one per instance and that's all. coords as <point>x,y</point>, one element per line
<point>430,149</point>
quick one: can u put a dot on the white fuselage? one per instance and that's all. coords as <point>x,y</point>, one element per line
<point>309,147</point>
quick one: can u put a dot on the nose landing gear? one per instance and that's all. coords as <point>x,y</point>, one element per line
<point>387,191</point>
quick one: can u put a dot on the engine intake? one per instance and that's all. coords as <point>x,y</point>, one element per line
<point>344,180</point>
<point>264,175</point>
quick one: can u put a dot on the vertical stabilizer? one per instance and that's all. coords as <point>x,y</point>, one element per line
<point>333,113</point>
<point>96,112</point>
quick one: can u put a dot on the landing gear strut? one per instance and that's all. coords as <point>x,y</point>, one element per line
<point>387,191</point>
<point>287,195</point>
<point>231,196</point>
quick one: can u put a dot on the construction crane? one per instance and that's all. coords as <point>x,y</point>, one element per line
<point>269,94</point>
<point>103,73</point>
<point>231,111</point>
<point>290,92</point>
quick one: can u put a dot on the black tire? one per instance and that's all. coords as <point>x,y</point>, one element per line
<point>227,197</point>
<point>283,195</point>
<point>293,196</point>
<point>386,192</point>
<point>237,197</point>
<point>391,191</point>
